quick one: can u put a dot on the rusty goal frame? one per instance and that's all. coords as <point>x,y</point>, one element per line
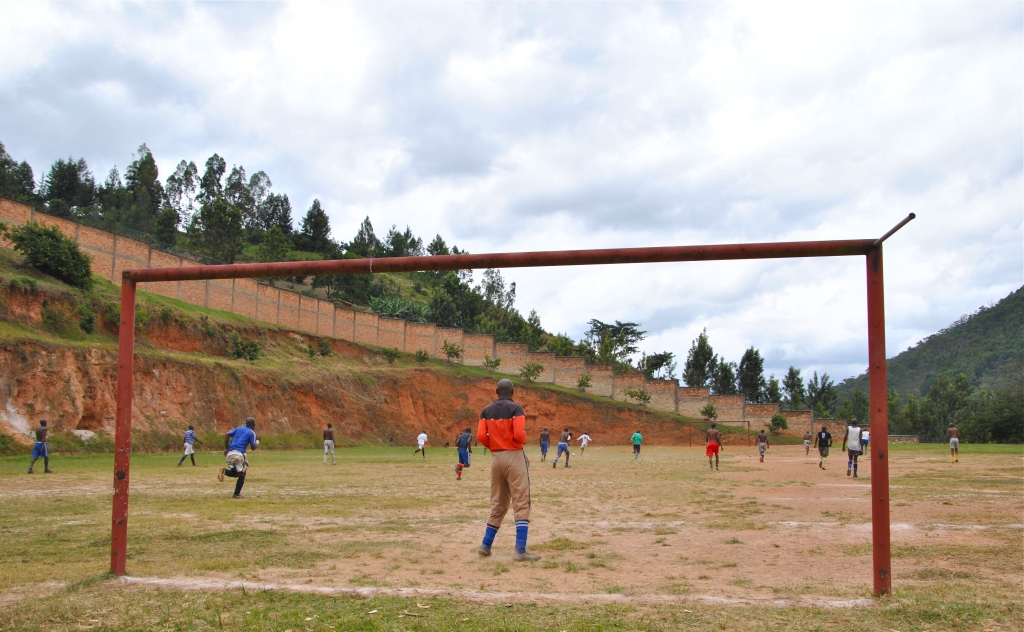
<point>871,249</point>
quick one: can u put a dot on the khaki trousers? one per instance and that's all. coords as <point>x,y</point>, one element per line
<point>510,483</point>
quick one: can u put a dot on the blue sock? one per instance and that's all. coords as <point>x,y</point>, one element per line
<point>854,469</point>
<point>522,528</point>
<point>489,534</point>
<point>849,464</point>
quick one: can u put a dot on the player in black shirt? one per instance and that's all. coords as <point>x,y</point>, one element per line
<point>822,441</point>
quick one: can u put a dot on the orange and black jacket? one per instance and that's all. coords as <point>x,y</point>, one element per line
<point>502,426</point>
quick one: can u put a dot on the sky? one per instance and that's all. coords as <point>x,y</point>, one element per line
<point>535,126</point>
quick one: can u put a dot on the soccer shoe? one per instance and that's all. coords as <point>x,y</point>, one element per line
<point>47,471</point>
<point>566,465</point>
<point>484,551</point>
<point>179,463</point>
<point>849,471</point>
<point>525,556</point>
<point>220,475</point>
<point>237,496</point>
<point>30,471</point>
<point>855,476</point>
<point>555,464</point>
<point>821,466</point>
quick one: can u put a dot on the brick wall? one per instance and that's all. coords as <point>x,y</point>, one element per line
<point>626,382</point>
<point>475,347</point>
<point>663,394</point>
<point>568,371</point>
<point>601,379</point>
<point>513,356</point>
<point>546,360</point>
<point>692,399</point>
<point>728,407</point>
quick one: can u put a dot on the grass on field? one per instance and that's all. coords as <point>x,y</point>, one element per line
<point>385,520</point>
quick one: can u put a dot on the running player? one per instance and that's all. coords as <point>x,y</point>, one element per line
<point>421,441</point>
<point>502,428</point>
<point>953,434</point>
<point>865,438</point>
<point>329,444</point>
<point>190,437</point>
<point>712,444</point>
<point>807,443</point>
<point>236,442</point>
<point>823,441</point>
<point>585,439</point>
<point>636,439</point>
<point>545,441</point>
<point>563,446</point>
<point>853,446</point>
<point>464,446</point>
<point>41,448</point>
<point>762,443</point>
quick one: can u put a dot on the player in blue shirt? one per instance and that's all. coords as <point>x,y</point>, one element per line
<point>464,445</point>
<point>190,438</point>
<point>236,442</point>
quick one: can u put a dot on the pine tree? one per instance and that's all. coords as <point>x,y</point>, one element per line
<point>750,377</point>
<point>700,362</point>
<point>793,385</point>
<point>315,235</point>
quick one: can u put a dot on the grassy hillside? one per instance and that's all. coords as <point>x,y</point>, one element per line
<point>982,346</point>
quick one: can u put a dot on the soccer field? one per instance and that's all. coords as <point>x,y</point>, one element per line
<point>659,543</point>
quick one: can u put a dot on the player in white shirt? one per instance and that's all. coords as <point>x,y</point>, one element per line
<point>854,446</point>
<point>585,439</point>
<point>420,442</point>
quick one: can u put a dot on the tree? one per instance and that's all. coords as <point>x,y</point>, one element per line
<point>166,228</point>
<point>47,249</point>
<point>259,192</point>
<point>142,179</point>
<point>560,345</point>
<point>275,247</point>
<point>750,376</point>
<point>68,188</point>
<point>773,393</point>
<point>531,371</point>
<point>639,395</point>
<point>437,246</point>
<point>210,187</point>
<point>723,381</point>
<point>490,364</point>
<point>315,235</point>
<point>216,230</point>
<point>236,190</point>
<point>584,382</point>
<point>701,362</point>
<point>822,397</point>
<point>614,343</point>
<point>451,350</point>
<point>454,303</point>
<point>17,182</point>
<point>855,408</point>
<point>777,423</point>
<point>709,412</point>
<point>276,210</point>
<point>651,365</point>
<point>405,244</point>
<point>180,190</point>
<point>793,385</point>
<point>364,244</point>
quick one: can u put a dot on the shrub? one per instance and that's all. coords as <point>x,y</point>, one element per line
<point>422,356</point>
<point>709,412</point>
<point>491,364</point>
<point>86,318</point>
<point>243,347</point>
<point>395,306</point>
<point>391,354</point>
<point>584,382</point>
<point>324,348</point>
<point>24,284</point>
<point>10,447</point>
<point>48,250</point>
<point>57,319</point>
<point>778,423</point>
<point>111,315</point>
<point>639,395</point>
<point>531,371</point>
<point>451,350</point>
<point>311,350</point>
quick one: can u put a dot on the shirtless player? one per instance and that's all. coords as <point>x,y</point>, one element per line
<point>41,448</point>
<point>713,444</point>
<point>807,442</point>
<point>953,434</point>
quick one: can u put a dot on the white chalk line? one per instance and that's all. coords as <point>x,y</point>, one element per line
<point>472,595</point>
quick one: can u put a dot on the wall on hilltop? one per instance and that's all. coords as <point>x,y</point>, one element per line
<point>111,254</point>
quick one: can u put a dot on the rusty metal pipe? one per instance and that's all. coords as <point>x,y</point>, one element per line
<point>123,428</point>
<point>508,260</point>
<point>906,220</point>
<point>881,553</point>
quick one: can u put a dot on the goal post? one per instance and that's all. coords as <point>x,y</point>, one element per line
<point>871,249</point>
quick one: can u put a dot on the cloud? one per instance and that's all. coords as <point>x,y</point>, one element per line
<point>550,126</point>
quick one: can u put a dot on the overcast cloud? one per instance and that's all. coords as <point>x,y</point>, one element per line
<point>508,127</point>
